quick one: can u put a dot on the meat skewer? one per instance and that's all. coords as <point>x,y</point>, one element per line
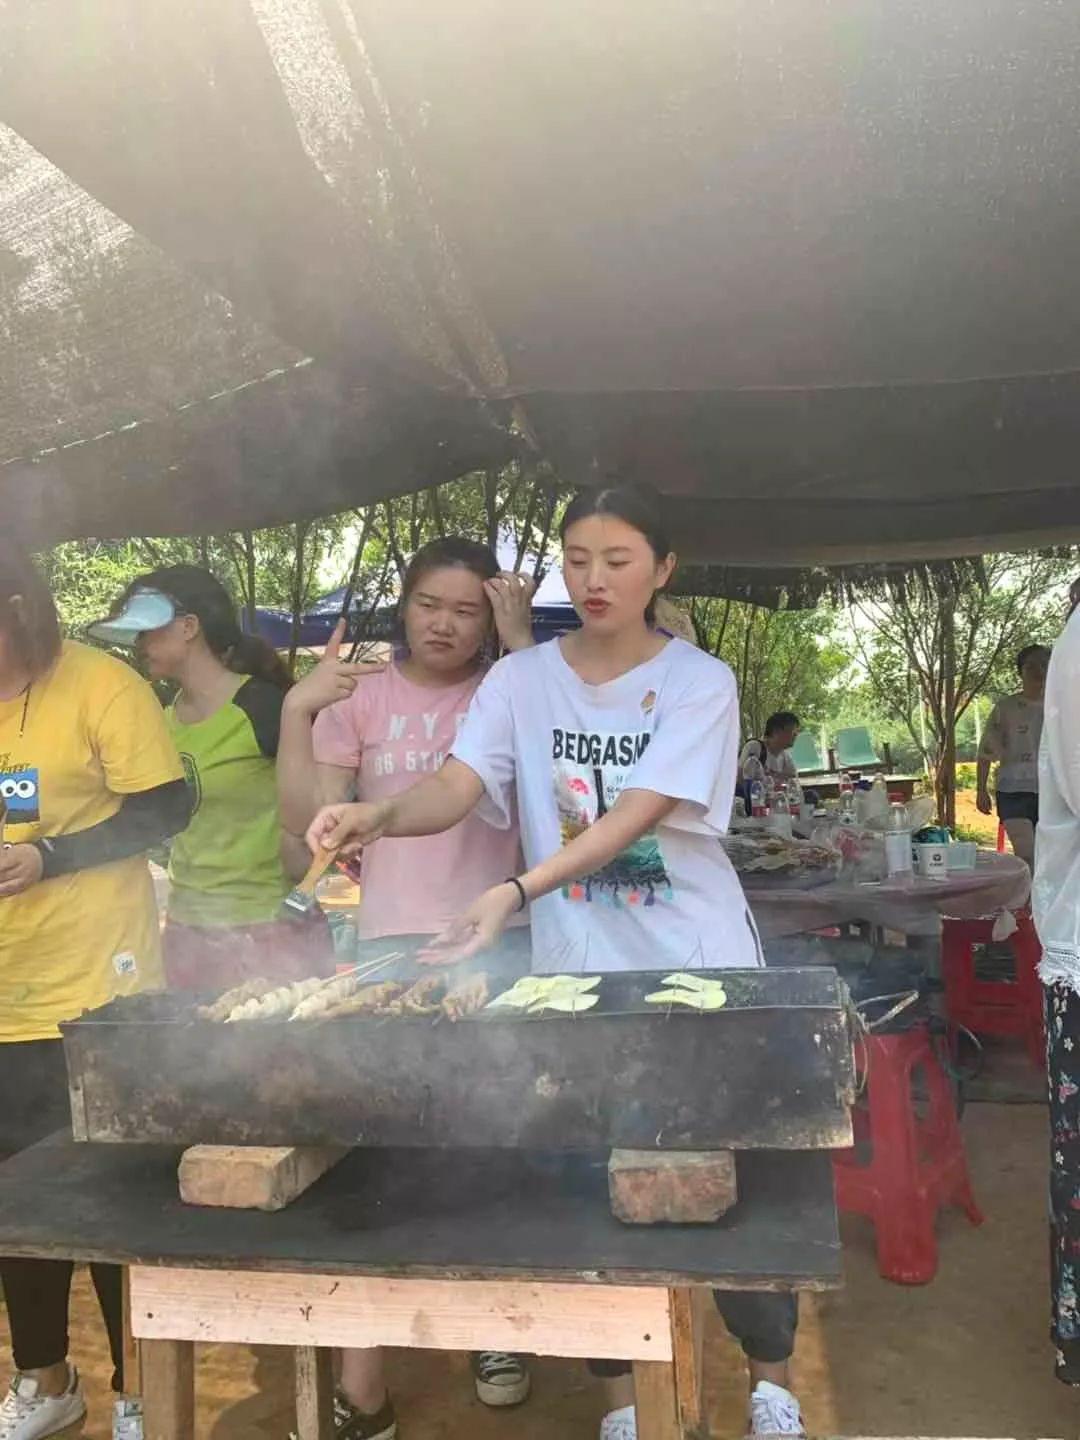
<point>471,995</point>
<point>225,1004</point>
<point>369,1000</point>
<point>280,1002</point>
<point>423,998</point>
<point>326,997</point>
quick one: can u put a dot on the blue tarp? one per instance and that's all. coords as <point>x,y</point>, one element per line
<point>317,625</point>
<point>552,612</point>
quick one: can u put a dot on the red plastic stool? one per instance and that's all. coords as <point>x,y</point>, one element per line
<point>998,1006</point>
<point>916,1162</point>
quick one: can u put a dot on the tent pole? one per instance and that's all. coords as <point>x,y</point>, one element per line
<point>949,675</point>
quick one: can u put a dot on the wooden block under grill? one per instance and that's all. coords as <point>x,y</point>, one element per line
<point>682,1187</point>
<point>252,1177</point>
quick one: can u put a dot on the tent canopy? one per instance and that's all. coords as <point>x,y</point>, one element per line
<point>807,266</point>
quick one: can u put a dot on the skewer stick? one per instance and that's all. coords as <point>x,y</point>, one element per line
<point>360,971</point>
<point>363,968</point>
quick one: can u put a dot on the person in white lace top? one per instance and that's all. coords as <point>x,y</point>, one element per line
<point>1056,909</point>
<point>1056,883</point>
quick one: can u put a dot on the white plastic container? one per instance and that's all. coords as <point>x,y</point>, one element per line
<point>962,855</point>
<point>933,861</point>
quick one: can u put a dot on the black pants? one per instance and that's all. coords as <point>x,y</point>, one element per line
<point>1018,805</point>
<point>33,1084</point>
<point>1063,1074</point>
<point>763,1321</point>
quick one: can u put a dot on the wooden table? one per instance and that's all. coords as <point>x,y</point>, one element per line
<point>448,1250</point>
<point>828,786</point>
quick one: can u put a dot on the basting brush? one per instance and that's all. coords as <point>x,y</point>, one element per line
<point>300,901</point>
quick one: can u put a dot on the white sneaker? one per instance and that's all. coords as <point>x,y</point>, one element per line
<point>774,1411</point>
<point>26,1415</point>
<point>501,1379</point>
<point>620,1424</point>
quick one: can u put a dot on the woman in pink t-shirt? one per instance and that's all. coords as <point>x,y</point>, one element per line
<point>373,731</point>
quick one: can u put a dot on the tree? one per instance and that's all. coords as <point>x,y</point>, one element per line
<point>939,641</point>
<point>288,567</point>
<point>515,507</point>
<point>782,659</point>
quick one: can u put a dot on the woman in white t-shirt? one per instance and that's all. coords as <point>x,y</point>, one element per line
<point>618,745</point>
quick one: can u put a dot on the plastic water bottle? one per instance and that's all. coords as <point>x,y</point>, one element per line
<point>797,800</point>
<point>898,842</point>
<point>753,770</point>
<point>847,798</point>
<point>780,823</point>
<point>861,800</point>
<point>759,805</point>
<point>878,808</point>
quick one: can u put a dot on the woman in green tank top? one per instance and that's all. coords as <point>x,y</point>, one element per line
<point>227,875</point>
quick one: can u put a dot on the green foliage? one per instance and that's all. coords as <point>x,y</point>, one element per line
<point>933,647</point>
<point>881,665</point>
<point>288,567</point>
<point>86,576</point>
<point>783,660</point>
<point>965,777</point>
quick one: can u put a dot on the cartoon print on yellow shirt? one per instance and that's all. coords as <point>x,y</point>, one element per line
<point>20,791</point>
<point>590,772</point>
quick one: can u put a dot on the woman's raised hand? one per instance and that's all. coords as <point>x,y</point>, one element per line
<point>511,603</point>
<point>332,679</point>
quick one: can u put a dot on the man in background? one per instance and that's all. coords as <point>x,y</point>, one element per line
<point>773,752</point>
<point>1012,740</point>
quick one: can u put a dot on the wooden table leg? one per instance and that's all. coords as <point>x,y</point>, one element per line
<point>168,1380</point>
<point>314,1393</point>
<point>654,1395</point>
<point>132,1374</point>
<point>689,1309</point>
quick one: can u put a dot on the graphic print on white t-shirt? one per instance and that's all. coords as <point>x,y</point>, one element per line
<point>590,770</point>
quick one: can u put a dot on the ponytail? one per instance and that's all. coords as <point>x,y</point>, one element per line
<point>254,656</point>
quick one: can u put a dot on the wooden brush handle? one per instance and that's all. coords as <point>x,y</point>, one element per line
<point>316,870</point>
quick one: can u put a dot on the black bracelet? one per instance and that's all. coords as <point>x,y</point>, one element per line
<point>523,899</point>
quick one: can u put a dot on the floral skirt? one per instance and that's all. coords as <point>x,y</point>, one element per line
<point>1063,1067</point>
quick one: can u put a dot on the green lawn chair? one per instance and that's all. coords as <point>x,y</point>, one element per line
<point>855,750</point>
<point>807,754</point>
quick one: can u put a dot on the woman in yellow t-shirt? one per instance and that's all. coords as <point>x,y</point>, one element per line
<point>90,782</point>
